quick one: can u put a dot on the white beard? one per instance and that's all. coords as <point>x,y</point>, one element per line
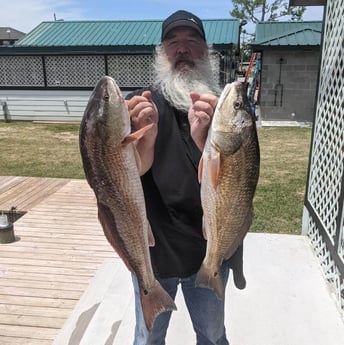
<point>176,85</point>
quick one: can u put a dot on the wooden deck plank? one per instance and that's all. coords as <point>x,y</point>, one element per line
<point>8,182</point>
<point>59,247</point>
<point>46,285</point>
<point>32,321</point>
<point>26,192</point>
<point>11,275</point>
<point>34,311</point>
<point>28,332</point>
<point>21,341</point>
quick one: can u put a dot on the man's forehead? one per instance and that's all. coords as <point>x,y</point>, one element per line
<point>182,30</point>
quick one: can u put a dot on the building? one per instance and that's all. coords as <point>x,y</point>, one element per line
<point>58,63</point>
<point>8,36</point>
<point>290,58</point>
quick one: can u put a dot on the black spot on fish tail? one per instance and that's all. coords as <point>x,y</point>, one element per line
<point>206,278</point>
<point>155,301</point>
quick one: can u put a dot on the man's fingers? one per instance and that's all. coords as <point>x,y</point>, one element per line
<point>194,97</point>
<point>147,94</point>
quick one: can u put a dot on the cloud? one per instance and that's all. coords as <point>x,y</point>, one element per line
<point>24,15</point>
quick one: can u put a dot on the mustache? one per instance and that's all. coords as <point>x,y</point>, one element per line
<point>184,58</point>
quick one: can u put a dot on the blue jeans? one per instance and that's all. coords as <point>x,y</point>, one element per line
<point>205,309</point>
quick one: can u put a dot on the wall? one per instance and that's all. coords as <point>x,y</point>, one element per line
<point>64,106</point>
<point>288,89</point>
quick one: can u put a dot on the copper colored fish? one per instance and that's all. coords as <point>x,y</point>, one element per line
<point>110,164</point>
<point>228,172</point>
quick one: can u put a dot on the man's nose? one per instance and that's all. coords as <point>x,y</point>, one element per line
<point>183,48</point>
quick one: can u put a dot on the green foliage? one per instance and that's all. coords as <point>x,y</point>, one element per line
<point>254,11</point>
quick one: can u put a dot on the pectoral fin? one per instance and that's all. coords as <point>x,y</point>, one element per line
<point>138,134</point>
<point>200,170</point>
<point>151,239</point>
<point>214,169</point>
<point>204,231</point>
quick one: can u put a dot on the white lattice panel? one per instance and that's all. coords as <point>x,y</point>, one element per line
<point>326,172</point>
<point>21,71</point>
<point>131,70</point>
<point>77,71</point>
<point>331,271</point>
<point>341,238</point>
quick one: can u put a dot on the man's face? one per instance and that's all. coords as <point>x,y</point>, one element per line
<point>183,46</point>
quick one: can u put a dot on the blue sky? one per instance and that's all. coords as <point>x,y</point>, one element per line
<point>24,15</point>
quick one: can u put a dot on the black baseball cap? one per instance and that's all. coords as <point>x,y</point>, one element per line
<point>182,18</point>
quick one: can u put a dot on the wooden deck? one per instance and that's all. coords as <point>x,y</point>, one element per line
<point>59,246</point>
<point>26,192</point>
<point>61,283</point>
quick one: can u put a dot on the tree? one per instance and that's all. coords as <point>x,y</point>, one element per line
<point>265,10</point>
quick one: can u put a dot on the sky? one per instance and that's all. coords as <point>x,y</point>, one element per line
<point>25,15</point>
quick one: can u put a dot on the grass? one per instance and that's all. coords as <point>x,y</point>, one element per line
<point>51,150</point>
<point>280,194</point>
<point>40,150</point>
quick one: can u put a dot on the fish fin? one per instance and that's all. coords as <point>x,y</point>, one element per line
<point>155,301</point>
<point>214,169</point>
<point>200,170</point>
<point>137,135</point>
<point>151,239</point>
<point>204,230</point>
<point>137,159</point>
<point>207,278</point>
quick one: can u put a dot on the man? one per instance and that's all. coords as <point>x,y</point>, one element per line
<point>180,104</point>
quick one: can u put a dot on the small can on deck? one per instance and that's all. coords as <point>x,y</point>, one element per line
<point>7,233</point>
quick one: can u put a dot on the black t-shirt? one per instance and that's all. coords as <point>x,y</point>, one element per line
<point>172,195</point>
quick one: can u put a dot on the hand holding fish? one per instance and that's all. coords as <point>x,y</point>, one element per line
<point>143,112</point>
<point>200,115</point>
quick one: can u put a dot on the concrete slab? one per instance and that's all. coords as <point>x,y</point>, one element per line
<point>286,302</point>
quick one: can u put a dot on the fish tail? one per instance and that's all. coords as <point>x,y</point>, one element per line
<point>210,279</point>
<point>154,301</point>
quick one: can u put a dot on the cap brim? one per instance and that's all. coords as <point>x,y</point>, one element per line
<point>182,23</point>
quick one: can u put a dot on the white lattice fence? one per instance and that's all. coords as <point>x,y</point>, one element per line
<point>74,71</point>
<point>131,70</point>
<point>324,209</point>
<point>21,71</point>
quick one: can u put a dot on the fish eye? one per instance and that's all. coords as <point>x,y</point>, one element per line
<point>237,105</point>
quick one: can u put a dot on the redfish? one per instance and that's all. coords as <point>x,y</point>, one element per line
<point>228,172</point>
<point>110,163</point>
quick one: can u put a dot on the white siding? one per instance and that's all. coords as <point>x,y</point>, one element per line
<point>41,105</point>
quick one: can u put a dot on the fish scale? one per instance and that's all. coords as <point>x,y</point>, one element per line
<point>228,172</point>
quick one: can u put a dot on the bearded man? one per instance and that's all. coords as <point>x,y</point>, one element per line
<point>180,105</point>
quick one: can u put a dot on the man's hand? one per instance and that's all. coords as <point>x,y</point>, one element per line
<point>143,112</point>
<point>200,116</point>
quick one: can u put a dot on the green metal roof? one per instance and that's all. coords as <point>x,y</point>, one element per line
<point>119,33</point>
<point>288,33</point>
